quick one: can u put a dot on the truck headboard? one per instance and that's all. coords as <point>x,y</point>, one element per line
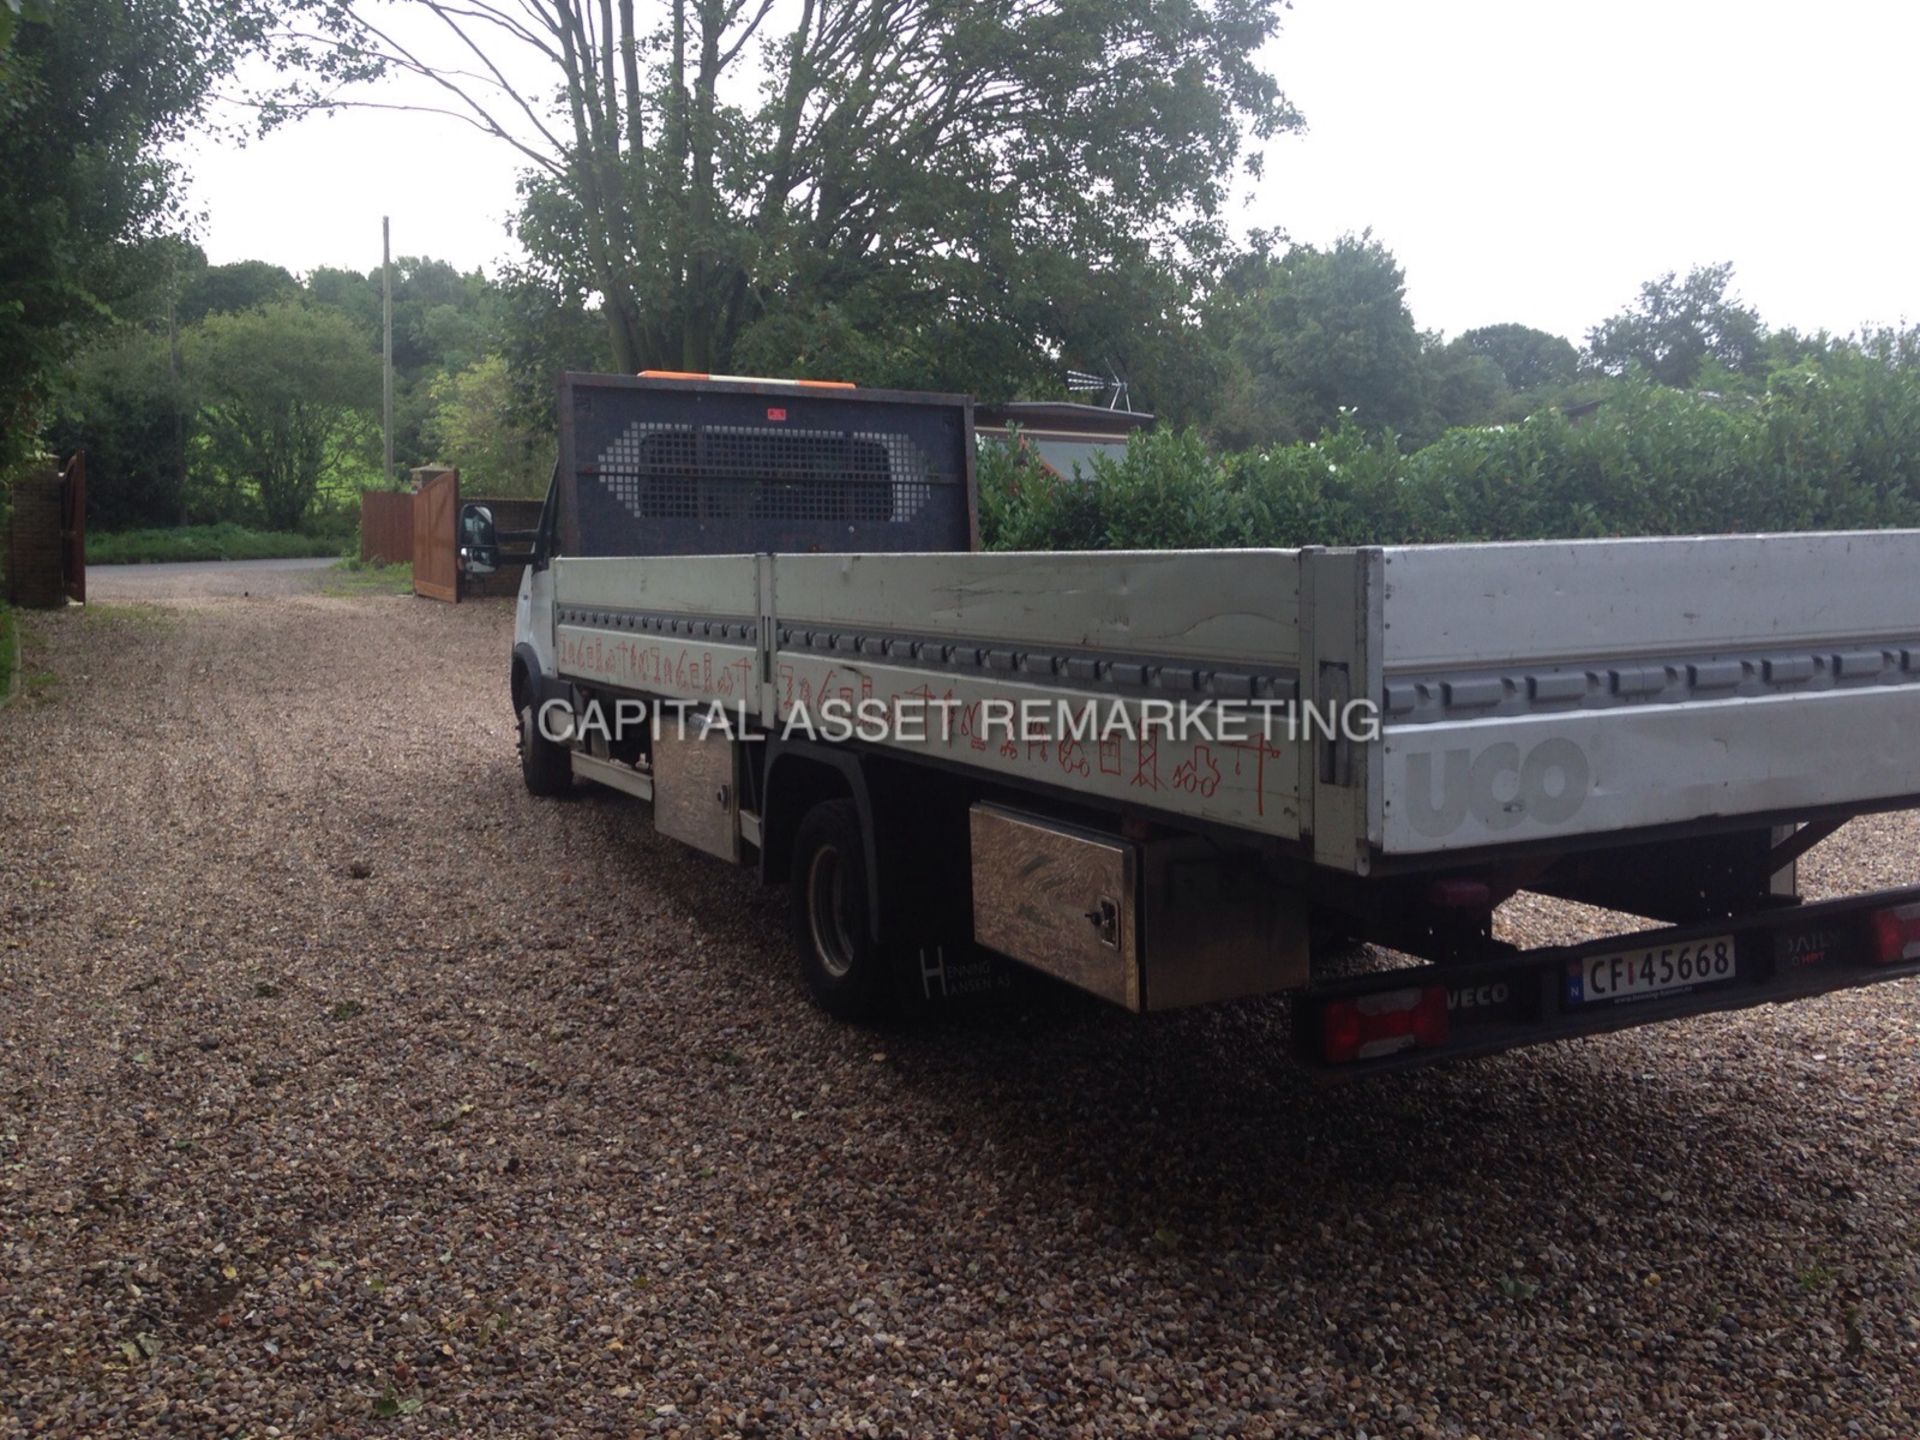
<point>653,466</point>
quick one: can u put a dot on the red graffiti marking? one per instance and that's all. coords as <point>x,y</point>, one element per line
<point>1198,775</point>
<point>1260,748</point>
<point>970,725</point>
<point>1146,763</point>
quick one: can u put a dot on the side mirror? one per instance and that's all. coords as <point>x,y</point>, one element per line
<point>479,545</point>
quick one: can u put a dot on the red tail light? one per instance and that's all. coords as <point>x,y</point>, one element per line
<point>1369,1026</point>
<point>1896,934</point>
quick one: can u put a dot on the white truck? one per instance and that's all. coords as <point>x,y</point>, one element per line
<point>1178,777</point>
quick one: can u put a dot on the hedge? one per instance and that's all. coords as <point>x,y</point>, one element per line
<point>1829,445</point>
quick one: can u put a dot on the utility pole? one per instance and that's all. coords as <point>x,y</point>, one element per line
<point>386,347</point>
<point>173,388</point>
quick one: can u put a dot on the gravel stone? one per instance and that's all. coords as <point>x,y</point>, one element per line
<point>346,1089</point>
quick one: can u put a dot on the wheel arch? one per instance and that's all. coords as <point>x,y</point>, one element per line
<point>797,777</point>
<point>528,682</point>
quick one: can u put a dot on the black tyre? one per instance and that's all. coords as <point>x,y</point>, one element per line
<point>844,967</point>
<point>544,763</point>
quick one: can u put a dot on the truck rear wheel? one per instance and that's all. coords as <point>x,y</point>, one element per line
<point>844,966</point>
<point>544,763</point>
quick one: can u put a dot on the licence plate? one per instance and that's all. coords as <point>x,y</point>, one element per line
<point>1660,970</point>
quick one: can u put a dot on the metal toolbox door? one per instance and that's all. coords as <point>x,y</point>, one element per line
<point>1059,899</point>
<point>695,795</point>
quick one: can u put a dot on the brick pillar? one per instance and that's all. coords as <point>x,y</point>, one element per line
<point>33,552</point>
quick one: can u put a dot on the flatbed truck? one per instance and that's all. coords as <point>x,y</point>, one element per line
<point>766,581</point>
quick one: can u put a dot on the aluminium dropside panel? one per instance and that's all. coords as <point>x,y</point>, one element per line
<point>1544,691</point>
<point>1122,631</point>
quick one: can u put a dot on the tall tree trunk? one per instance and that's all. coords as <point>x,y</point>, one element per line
<point>610,276</point>
<point>702,317</point>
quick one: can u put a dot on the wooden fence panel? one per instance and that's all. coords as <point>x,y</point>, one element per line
<point>386,527</point>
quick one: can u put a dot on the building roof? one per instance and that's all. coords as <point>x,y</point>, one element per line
<point>1060,417</point>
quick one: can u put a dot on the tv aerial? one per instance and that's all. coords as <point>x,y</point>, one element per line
<point>1111,387</point>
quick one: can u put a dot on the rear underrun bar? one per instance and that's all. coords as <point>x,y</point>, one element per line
<point>1539,995</point>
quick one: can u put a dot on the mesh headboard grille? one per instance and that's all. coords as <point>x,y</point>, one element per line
<point>673,468</point>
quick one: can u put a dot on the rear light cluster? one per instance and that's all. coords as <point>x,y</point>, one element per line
<point>1370,1026</point>
<point>1896,934</point>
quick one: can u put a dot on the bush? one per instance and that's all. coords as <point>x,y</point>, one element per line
<point>1833,443</point>
<point>204,542</point>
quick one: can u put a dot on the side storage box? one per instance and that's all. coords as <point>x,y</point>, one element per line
<point>1058,898</point>
<point>1150,925</point>
<point>696,798</point>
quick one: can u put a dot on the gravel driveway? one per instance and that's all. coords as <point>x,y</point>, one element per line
<point>345,1089</point>
<point>197,579</point>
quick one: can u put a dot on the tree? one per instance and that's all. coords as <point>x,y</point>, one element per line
<point>443,322</point>
<point>540,335</point>
<point>349,291</point>
<point>291,399</point>
<point>121,401</point>
<point>1677,327</point>
<point>1528,359</point>
<point>883,175</point>
<point>472,427</point>
<point>229,289</point>
<point>91,93</point>
<point>1460,386</point>
<point>1312,335</point>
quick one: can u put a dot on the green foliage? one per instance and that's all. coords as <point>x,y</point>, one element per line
<point>230,289</point>
<point>1166,492</point>
<point>1024,506</point>
<point>1459,386</point>
<point>164,440</point>
<point>12,12</point>
<point>1311,337</point>
<point>444,320</point>
<point>122,403</point>
<point>472,426</point>
<point>1678,327</point>
<point>1528,359</point>
<point>91,93</point>
<point>351,577</point>
<point>922,193</point>
<point>1832,444</point>
<point>290,405</point>
<point>542,334</point>
<point>1340,490</point>
<point>201,542</point>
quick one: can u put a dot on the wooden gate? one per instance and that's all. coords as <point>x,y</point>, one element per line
<point>436,540</point>
<point>73,527</point>
<point>386,527</point>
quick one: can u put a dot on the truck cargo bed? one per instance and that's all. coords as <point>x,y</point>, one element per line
<point>1537,694</point>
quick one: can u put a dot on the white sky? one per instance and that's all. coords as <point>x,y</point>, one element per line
<point>1526,160</point>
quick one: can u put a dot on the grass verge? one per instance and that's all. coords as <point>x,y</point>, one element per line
<point>351,577</point>
<point>204,542</point>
